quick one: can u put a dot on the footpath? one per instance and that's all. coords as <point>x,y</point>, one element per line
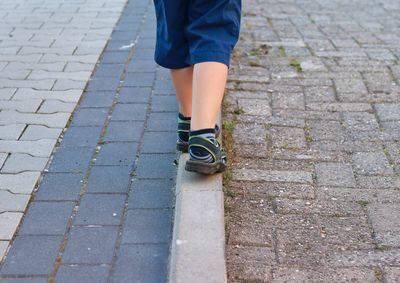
<point>86,197</point>
<point>314,100</point>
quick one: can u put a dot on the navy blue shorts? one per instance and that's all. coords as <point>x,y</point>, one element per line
<point>194,31</point>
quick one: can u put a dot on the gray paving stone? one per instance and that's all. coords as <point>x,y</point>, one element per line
<point>31,255</point>
<point>81,136</point>
<point>147,226</point>
<point>72,95</point>
<point>71,160</point>
<point>145,54</point>
<point>360,121</point>
<point>94,245</point>
<point>18,65</point>
<point>114,56</point>
<point>37,50</point>
<point>139,66</point>
<point>54,106</point>
<point>9,222</point>
<point>76,76</point>
<point>59,186</point>
<point>124,34</point>
<point>156,166</point>
<point>109,70</point>
<point>336,174</point>
<point>7,93</point>
<point>391,274</point>
<point>139,79</point>
<point>64,84</point>
<point>11,131</point>
<point>260,107</point>
<point>134,95</point>
<point>3,157</point>
<point>319,94</point>
<point>117,154</point>
<point>39,148</point>
<point>371,163</point>
<point>103,85</point>
<point>250,262</point>
<point>53,58</point>
<point>272,175</point>
<point>151,194</point>
<point>97,99</point>
<point>326,130</point>
<point>46,218</point>
<point>129,112</point>
<point>387,112</point>
<point>109,179</point>
<point>37,84</point>
<point>164,103</point>
<point>163,87</point>
<point>12,202</point>
<point>19,162</point>
<point>339,107</point>
<point>3,248</point>
<point>76,273</point>
<point>21,183</point>
<point>287,137</point>
<point>55,120</point>
<point>117,45</point>
<point>162,122</point>
<point>90,117</point>
<point>96,209</point>
<point>30,105</point>
<point>288,100</point>
<point>385,222</point>
<point>159,142</point>
<point>36,132</point>
<point>350,86</point>
<point>124,131</point>
<point>291,274</point>
<point>141,263</point>
<point>24,280</point>
<point>347,233</point>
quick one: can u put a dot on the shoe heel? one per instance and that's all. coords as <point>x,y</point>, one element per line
<point>184,147</point>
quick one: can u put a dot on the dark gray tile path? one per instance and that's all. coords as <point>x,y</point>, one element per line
<point>103,210</point>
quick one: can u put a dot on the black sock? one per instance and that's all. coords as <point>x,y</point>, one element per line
<point>183,128</point>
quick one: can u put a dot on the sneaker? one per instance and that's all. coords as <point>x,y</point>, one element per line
<point>182,143</point>
<point>219,158</point>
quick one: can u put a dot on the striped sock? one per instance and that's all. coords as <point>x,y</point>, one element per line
<point>199,153</point>
<point>183,135</point>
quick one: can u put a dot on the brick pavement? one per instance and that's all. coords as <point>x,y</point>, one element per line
<point>315,96</point>
<point>48,50</point>
<point>103,209</point>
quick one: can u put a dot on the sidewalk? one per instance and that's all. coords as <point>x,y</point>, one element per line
<point>314,97</point>
<point>102,211</point>
<point>48,50</point>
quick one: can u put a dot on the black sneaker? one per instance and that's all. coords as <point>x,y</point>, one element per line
<point>219,157</point>
<point>182,143</point>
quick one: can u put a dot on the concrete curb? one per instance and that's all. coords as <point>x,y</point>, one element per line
<point>198,244</point>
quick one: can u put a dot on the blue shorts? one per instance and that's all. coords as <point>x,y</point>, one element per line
<point>194,31</point>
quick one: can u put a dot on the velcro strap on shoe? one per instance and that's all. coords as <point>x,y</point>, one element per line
<point>207,145</point>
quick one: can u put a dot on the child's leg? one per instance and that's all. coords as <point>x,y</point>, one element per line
<point>209,80</point>
<point>183,81</point>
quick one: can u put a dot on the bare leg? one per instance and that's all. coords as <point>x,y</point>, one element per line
<point>209,81</point>
<point>183,81</point>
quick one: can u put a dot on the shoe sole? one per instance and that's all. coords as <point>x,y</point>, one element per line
<point>205,168</point>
